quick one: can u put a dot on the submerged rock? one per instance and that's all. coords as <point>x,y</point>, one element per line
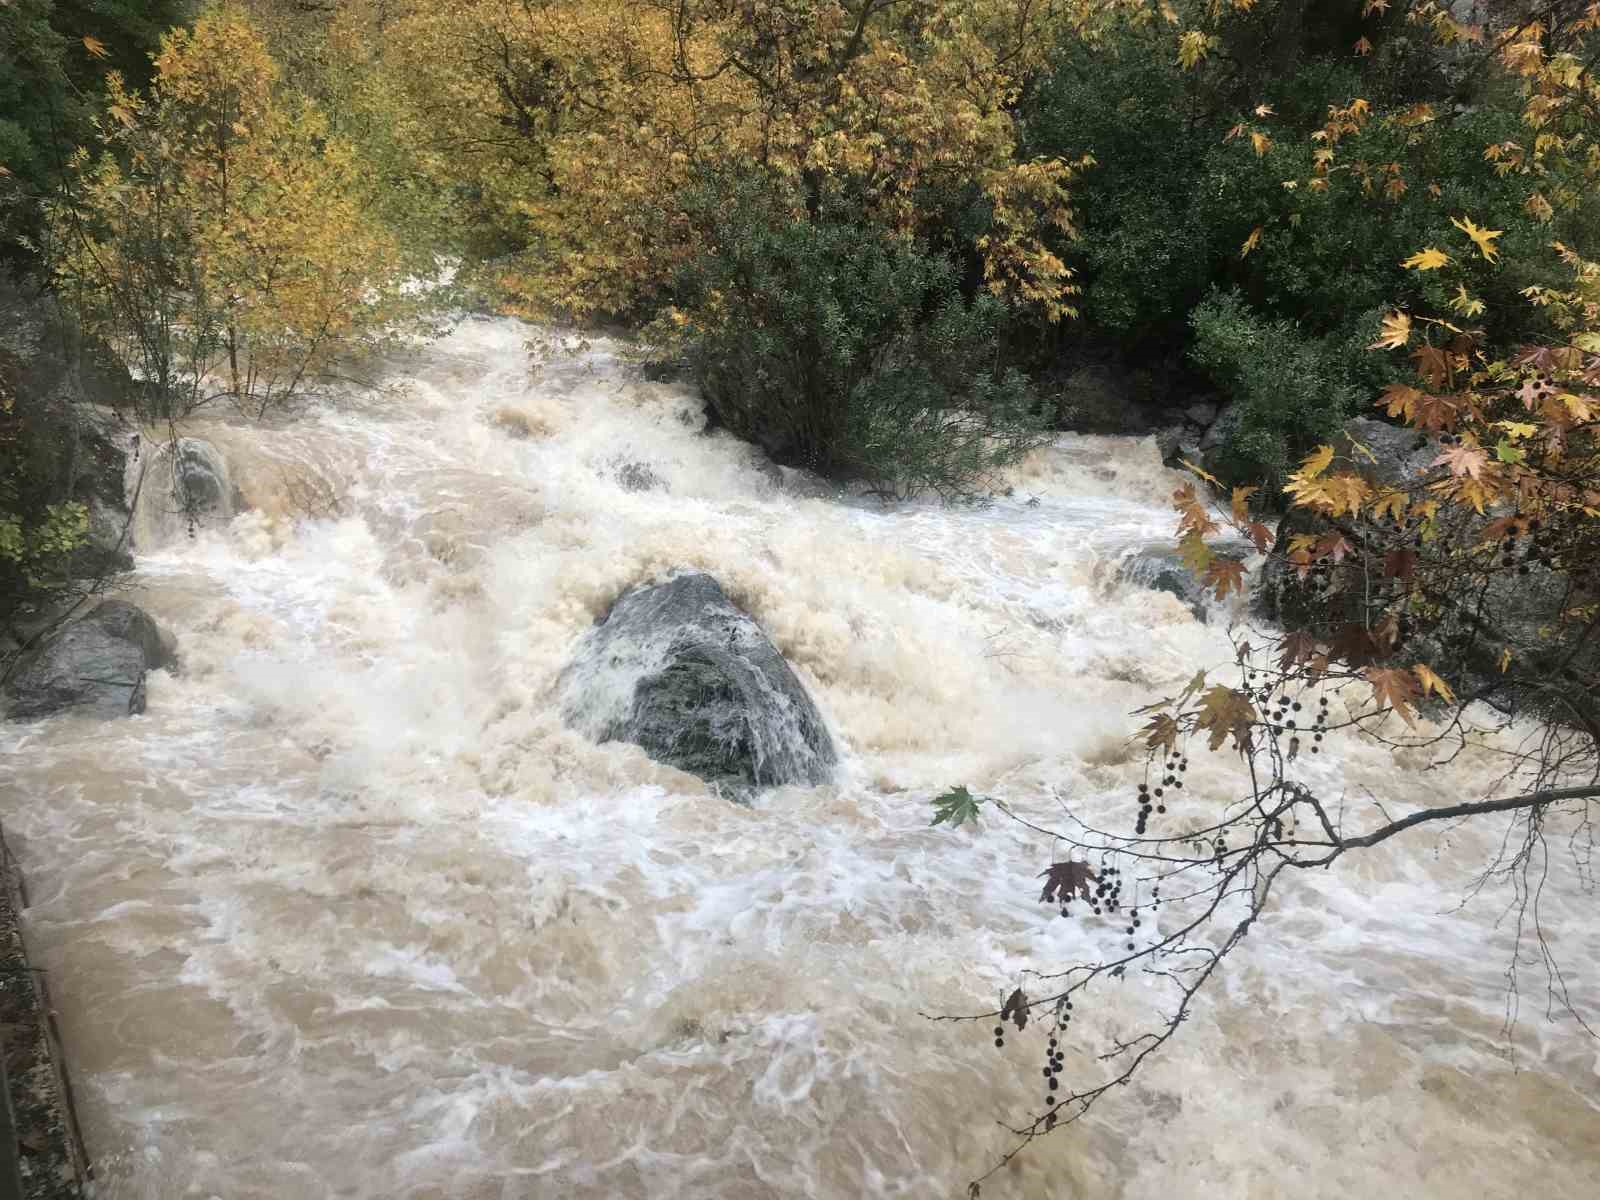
<point>1162,569</point>
<point>185,484</point>
<point>96,664</point>
<point>677,669</point>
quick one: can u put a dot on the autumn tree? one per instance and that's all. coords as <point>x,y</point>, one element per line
<point>1437,595</point>
<point>587,124</point>
<point>638,160</point>
<point>223,237</point>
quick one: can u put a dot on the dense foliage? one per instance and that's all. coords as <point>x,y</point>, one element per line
<point>849,352</point>
<point>55,59</point>
<point>1264,170</point>
<point>224,238</point>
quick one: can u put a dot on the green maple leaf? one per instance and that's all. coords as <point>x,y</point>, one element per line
<point>1507,453</point>
<point>957,806</point>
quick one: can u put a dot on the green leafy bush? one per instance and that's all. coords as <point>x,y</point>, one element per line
<point>845,350</point>
<point>1290,390</point>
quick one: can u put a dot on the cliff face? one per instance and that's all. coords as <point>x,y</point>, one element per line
<point>61,439</point>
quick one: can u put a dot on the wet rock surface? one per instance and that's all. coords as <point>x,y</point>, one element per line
<point>679,670</point>
<point>95,664</point>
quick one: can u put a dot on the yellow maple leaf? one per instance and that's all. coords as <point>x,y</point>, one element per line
<point>1582,408</point>
<point>1363,47</point>
<point>95,47</point>
<point>1394,688</point>
<point>1429,259</point>
<point>1345,493</point>
<point>1260,141</point>
<point>1481,237</point>
<point>1316,462</point>
<point>1431,683</point>
<point>1466,305</point>
<point>1241,502</point>
<point>1474,491</point>
<point>1192,48</point>
<point>1538,207</point>
<point>1396,332</point>
<point>1392,504</point>
<point>1251,242</point>
<point>1400,400</point>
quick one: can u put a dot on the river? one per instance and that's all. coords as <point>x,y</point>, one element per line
<point>348,912</point>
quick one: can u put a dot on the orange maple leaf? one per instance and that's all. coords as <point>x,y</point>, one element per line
<point>1396,689</point>
<point>1224,575</point>
<point>1464,458</point>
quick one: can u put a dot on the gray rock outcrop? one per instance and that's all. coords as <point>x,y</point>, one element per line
<point>95,664</point>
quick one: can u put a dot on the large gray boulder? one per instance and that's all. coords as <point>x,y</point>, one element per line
<point>1216,452</point>
<point>95,664</point>
<point>677,669</point>
<point>1384,454</point>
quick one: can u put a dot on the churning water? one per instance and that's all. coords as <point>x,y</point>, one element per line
<point>350,913</point>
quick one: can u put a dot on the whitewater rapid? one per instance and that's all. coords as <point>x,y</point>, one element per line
<point>348,912</point>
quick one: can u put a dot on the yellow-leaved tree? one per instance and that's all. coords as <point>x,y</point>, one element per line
<point>222,238</point>
<point>584,125</point>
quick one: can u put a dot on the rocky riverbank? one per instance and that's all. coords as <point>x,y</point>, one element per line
<point>41,1154</point>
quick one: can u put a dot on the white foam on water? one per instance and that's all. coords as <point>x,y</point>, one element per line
<point>349,912</point>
